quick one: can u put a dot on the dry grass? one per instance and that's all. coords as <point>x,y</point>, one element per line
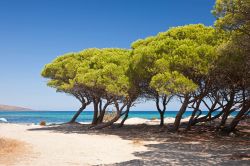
<point>137,142</point>
<point>8,146</point>
<point>10,149</point>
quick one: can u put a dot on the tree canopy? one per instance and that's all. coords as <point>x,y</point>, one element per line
<point>195,63</point>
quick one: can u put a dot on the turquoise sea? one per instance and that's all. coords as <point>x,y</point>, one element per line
<point>65,116</point>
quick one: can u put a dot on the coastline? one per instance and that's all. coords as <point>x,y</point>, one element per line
<point>129,121</point>
<point>64,116</point>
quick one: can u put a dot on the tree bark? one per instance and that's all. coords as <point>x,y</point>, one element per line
<point>226,111</point>
<point>103,125</point>
<point>161,111</point>
<point>209,114</point>
<point>95,114</point>
<point>238,117</point>
<point>180,113</point>
<point>77,113</point>
<point>102,112</point>
<point>162,119</point>
<point>118,115</point>
<point>125,116</point>
<point>193,114</point>
<point>100,117</point>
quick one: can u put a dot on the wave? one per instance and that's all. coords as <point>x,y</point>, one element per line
<point>3,120</point>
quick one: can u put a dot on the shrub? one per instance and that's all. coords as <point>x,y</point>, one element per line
<point>43,123</point>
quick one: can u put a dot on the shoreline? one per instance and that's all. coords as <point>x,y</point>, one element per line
<point>129,121</point>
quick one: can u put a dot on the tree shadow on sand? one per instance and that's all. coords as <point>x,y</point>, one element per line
<point>200,146</point>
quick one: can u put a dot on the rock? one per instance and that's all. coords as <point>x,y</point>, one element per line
<point>232,134</point>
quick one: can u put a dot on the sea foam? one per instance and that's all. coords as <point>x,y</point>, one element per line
<point>3,120</point>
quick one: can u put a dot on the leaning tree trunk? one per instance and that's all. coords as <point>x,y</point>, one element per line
<point>77,114</point>
<point>208,118</point>
<point>193,114</point>
<point>227,110</point>
<point>180,113</point>
<point>111,122</point>
<point>125,116</point>
<point>101,116</point>
<point>103,125</point>
<point>102,112</point>
<point>238,117</point>
<point>226,113</point>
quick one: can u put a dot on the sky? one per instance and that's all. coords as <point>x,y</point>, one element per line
<point>34,32</point>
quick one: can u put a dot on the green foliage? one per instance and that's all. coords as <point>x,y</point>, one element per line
<point>234,16</point>
<point>172,61</point>
<point>94,69</point>
<point>106,71</point>
<point>172,83</point>
<point>61,72</point>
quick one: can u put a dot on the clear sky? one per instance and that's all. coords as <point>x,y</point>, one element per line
<point>34,32</point>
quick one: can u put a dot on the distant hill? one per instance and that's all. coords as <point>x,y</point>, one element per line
<point>13,108</point>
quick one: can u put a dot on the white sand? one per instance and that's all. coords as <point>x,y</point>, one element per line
<point>53,148</point>
<point>151,122</point>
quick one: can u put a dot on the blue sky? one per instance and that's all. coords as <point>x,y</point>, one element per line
<point>34,32</point>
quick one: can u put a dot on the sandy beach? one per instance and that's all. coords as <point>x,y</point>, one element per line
<point>140,142</point>
<point>50,148</point>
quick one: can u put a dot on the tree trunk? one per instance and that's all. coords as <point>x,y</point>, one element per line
<point>162,119</point>
<point>100,117</point>
<point>226,111</point>
<point>103,125</point>
<point>95,114</point>
<point>161,112</point>
<point>118,115</point>
<point>102,112</point>
<point>180,113</point>
<point>193,114</point>
<point>208,118</point>
<point>77,114</point>
<point>238,117</point>
<point>125,116</point>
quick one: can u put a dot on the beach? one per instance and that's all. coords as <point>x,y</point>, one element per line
<point>140,142</point>
<point>50,148</point>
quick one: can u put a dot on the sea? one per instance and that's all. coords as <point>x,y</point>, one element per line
<point>35,117</point>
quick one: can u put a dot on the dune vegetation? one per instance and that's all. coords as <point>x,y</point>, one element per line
<point>196,64</point>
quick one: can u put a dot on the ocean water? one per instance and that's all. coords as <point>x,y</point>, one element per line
<point>65,116</point>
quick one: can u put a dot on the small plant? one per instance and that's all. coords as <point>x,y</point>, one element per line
<point>154,118</point>
<point>43,123</point>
